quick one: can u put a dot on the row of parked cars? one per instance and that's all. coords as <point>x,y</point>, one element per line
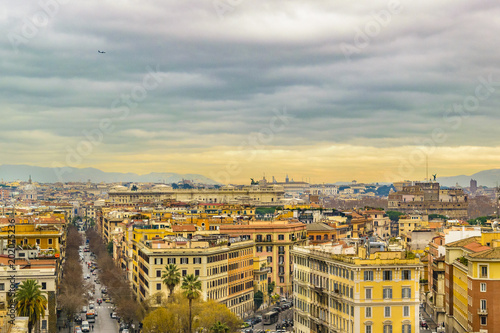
<point>282,306</point>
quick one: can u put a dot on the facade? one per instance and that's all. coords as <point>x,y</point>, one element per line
<point>356,293</point>
<point>273,240</point>
<point>44,271</point>
<point>224,266</point>
<point>251,195</point>
<point>429,198</point>
<point>472,282</point>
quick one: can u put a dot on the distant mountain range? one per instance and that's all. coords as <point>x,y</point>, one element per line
<point>488,178</point>
<point>69,174</point>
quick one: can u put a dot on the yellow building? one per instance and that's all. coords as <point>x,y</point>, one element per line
<point>224,267</point>
<point>335,292</point>
<point>408,223</point>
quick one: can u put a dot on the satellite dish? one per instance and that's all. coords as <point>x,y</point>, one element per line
<point>495,225</point>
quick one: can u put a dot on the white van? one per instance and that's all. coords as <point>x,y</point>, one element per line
<point>85,326</point>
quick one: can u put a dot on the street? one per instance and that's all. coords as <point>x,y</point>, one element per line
<point>284,315</point>
<point>103,322</point>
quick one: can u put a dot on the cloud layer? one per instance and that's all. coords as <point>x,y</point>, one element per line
<point>322,89</point>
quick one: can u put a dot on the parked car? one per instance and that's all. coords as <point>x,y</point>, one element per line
<point>78,329</point>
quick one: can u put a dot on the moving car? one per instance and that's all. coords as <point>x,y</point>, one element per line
<point>85,326</point>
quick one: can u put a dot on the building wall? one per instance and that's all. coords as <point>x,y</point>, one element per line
<point>330,293</point>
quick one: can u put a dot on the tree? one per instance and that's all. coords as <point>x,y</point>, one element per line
<point>171,278</point>
<point>192,289</point>
<point>109,248</point>
<point>212,312</point>
<point>159,320</point>
<point>258,299</point>
<point>30,302</point>
<point>219,327</point>
<point>393,215</point>
<point>270,287</point>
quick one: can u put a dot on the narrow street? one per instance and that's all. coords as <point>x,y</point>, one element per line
<point>103,321</point>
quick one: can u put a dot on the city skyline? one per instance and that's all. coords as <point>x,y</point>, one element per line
<point>234,89</point>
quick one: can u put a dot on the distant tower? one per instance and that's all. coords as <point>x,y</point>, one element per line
<point>473,185</point>
<point>286,179</point>
<point>29,181</point>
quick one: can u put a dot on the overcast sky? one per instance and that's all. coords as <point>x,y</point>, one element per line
<point>232,89</point>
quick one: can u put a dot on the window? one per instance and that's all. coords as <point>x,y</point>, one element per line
<point>483,304</point>
<point>184,272</point>
<point>483,320</point>
<point>259,238</point>
<point>2,286</point>
<point>406,292</point>
<point>269,238</point>
<point>483,287</point>
<point>259,248</point>
<point>44,285</point>
<point>387,293</point>
<point>158,273</point>
<point>38,241</point>
<point>197,272</point>
<point>484,271</point>
<point>171,261</point>
<point>368,293</point>
<point>406,328</point>
<point>368,329</point>
<point>368,312</point>
<point>158,286</point>
<point>184,260</point>
<point>406,274</point>
<point>281,237</point>
<point>387,311</point>
<point>269,259</point>
<point>44,324</point>
<point>387,328</point>
<point>269,249</point>
<point>406,311</point>
<point>387,275</point>
<point>50,241</point>
<point>318,237</point>
<point>368,275</point>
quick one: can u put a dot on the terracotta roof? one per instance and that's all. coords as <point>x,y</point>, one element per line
<point>476,247</point>
<point>493,253</point>
<point>465,241</point>
<point>178,228</point>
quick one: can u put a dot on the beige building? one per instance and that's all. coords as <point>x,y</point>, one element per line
<point>224,266</point>
<point>429,198</point>
<point>249,195</point>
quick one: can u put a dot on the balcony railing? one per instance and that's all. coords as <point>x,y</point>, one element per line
<point>482,311</point>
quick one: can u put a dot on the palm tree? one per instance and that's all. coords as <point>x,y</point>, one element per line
<point>30,302</point>
<point>171,277</point>
<point>192,290</point>
<point>219,327</point>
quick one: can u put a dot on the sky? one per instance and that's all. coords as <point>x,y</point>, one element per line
<point>323,91</point>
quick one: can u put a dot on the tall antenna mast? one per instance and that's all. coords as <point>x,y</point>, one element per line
<point>498,200</point>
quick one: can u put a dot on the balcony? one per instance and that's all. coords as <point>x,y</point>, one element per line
<point>318,289</point>
<point>482,312</point>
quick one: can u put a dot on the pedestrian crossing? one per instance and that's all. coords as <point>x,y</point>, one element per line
<point>105,306</point>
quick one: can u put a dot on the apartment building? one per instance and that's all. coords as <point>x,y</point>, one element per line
<point>273,240</point>
<point>355,293</point>
<point>223,264</point>
<point>44,271</point>
<point>472,284</point>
